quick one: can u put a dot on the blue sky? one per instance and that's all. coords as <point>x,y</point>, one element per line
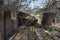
<point>30,4</point>
<point>34,4</point>
<point>39,4</point>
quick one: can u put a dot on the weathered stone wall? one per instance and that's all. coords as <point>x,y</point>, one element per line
<point>54,7</point>
<point>48,18</point>
<point>1,20</point>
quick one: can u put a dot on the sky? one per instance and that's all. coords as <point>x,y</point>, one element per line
<point>37,4</point>
<point>30,4</point>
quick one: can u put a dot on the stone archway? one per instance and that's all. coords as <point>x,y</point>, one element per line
<point>48,18</point>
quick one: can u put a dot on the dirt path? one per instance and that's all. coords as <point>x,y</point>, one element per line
<point>20,33</point>
<point>25,34</point>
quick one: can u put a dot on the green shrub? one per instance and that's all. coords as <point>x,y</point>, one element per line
<point>51,28</point>
<point>45,36</point>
